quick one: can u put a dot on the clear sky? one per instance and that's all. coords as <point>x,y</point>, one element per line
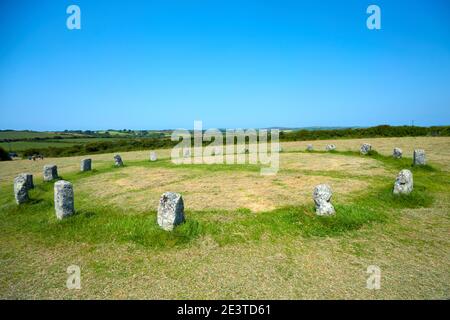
<point>163,64</point>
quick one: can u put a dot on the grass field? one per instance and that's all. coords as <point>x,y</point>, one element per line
<point>246,235</point>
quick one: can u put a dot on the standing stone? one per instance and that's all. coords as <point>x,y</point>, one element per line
<point>330,147</point>
<point>309,147</point>
<point>20,189</point>
<point>153,156</point>
<point>64,203</point>
<point>86,165</point>
<point>118,161</point>
<point>404,182</point>
<point>419,157</point>
<point>50,172</point>
<point>365,148</point>
<point>170,210</point>
<point>397,153</point>
<point>322,198</point>
<point>29,178</point>
<point>187,153</point>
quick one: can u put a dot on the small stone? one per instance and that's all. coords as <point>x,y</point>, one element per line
<point>21,189</point>
<point>64,202</point>
<point>309,147</point>
<point>29,178</point>
<point>118,161</point>
<point>170,210</point>
<point>86,165</point>
<point>404,182</point>
<point>330,147</point>
<point>187,153</point>
<point>397,153</point>
<point>50,172</point>
<point>322,199</point>
<point>365,148</point>
<point>419,157</point>
<point>153,156</point>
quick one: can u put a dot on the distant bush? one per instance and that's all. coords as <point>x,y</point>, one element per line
<point>4,156</point>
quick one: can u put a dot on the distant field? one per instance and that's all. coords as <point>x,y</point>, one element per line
<point>31,134</point>
<point>246,235</point>
<point>18,146</point>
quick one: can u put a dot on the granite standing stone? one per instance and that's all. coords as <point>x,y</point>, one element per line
<point>419,157</point>
<point>170,210</point>
<point>86,165</point>
<point>20,189</point>
<point>309,147</point>
<point>322,199</point>
<point>397,153</point>
<point>404,183</point>
<point>330,147</point>
<point>50,172</point>
<point>365,148</point>
<point>64,201</point>
<point>118,161</point>
<point>153,156</point>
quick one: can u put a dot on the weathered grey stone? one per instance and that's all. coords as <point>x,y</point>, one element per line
<point>86,165</point>
<point>170,210</point>
<point>21,189</point>
<point>419,157</point>
<point>153,156</point>
<point>309,147</point>
<point>330,147</point>
<point>365,148</point>
<point>118,161</point>
<point>64,200</point>
<point>322,198</point>
<point>397,153</point>
<point>404,182</point>
<point>50,172</point>
<point>29,178</point>
<point>187,153</point>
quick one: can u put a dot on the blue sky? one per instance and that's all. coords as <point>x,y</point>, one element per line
<point>163,64</point>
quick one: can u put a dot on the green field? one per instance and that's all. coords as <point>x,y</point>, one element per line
<point>246,235</point>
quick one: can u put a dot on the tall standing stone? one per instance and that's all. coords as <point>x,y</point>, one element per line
<point>20,189</point>
<point>64,201</point>
<point>309,147</point>
<point>419,157</point>
<point>170,210</point>
<point>29,178</point>
<point>322,199</point>
<point>153,156</point>
<point>86,165</point>
<point>50,172</point>
<point>397,153</point>
<point>365,148</point>
<point>330,147</point>
<point>118,161</point>
<point>404,183</point>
